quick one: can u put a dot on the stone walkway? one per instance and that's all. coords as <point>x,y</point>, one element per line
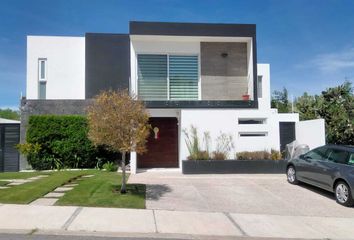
<point>51,198</point>
<point>17,182</point>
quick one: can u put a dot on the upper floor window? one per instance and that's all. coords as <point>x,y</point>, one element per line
<point>42,78</point>
<point>42,66</point>
<point>168,77</point>
<point>259,86</point>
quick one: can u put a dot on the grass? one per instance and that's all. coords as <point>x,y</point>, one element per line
<point>21,175</point>
<point>102,190</point>
<point>28,192</point>
<point>3,183</point>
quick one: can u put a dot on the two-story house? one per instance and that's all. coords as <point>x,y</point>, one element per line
<point>198,74</point>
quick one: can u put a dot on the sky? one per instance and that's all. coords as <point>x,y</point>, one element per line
<point>309,44</point>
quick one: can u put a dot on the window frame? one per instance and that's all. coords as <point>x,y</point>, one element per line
<point>260,93</point>
<point>44,60</point>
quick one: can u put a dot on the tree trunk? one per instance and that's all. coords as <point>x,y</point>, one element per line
<point>123,189</point>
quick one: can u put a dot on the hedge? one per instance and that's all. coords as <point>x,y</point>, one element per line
<point>63,143</point>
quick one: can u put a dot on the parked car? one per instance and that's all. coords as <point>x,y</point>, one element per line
<point>330,167</point>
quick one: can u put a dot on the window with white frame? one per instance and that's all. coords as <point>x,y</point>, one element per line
<point>167,77</point>
<point>42,78</point>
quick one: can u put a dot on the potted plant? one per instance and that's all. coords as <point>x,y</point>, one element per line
<point>246,96</point>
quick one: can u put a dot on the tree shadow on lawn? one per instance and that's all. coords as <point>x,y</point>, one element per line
<point>156,191</point>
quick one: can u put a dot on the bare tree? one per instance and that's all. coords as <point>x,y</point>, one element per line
<point>119,122</point>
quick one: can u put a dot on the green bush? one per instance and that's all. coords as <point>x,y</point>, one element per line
<point>110,167</point>
<point>63,143</point>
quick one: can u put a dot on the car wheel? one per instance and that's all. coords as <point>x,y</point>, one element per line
<point>291,175</point>
<point>343,194</point>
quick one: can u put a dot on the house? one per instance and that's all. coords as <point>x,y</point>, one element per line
<point>206,75</point>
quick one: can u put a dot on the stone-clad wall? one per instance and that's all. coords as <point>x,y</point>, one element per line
<point>223,70</point>
<point>47,107</point>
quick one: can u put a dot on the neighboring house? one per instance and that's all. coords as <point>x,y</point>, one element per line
<point>204,75</point>
<point>9,137</point>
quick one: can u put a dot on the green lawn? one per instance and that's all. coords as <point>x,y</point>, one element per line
<point>28,192</point>
<point>22,175</point>
<point>102,190</point>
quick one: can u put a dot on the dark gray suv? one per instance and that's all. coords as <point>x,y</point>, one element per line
<point>330,167</point>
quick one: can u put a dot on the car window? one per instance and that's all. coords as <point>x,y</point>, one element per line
<point>338,156</point>
<point>317,153</point>
<point>351,159</point>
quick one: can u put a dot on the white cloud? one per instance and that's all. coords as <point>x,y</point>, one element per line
<point>332,62</point>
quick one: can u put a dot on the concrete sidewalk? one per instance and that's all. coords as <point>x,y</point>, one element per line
<point>157,223</point>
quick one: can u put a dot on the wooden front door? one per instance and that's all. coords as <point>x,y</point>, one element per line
<point>162,145</point>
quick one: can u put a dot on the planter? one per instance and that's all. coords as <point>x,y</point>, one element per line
<point>245,97</point>
<point>233,166</point>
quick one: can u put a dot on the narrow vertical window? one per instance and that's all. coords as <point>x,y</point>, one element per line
<point>42,90</point>
<point>42,69</point>
<point>42,78</point>
<point>259,87</point>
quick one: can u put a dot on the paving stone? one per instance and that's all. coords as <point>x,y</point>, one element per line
<point>44,201</point>
<point>63,189</point>
<point>42,176</point>
<point>88,176</point>
<point>54,195</point>
<point>71,185</point>
<point>2,187</point>
<point>15,183</point>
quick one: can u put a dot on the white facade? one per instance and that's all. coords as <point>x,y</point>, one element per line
<point>65,79</point>
<point>65,67</point>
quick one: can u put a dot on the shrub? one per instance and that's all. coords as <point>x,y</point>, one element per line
<point>193,144</point>
<point>256,155</point>
<point>218,156</point>
<point>62,141</point>
<point>275,155</point>
<point>224,144</point>
<point>110,167</point>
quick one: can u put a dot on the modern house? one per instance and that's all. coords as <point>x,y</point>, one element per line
<point>205,75</point>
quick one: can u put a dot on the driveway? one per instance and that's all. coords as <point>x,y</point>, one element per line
<point>237,193</point>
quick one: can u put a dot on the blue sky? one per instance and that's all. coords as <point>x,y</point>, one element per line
<point>309,43</point>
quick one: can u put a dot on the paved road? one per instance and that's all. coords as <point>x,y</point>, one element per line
<point>268,194</point>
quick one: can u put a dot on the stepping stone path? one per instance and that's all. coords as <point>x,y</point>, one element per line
<point>51,198</point>
<point>17,182</point>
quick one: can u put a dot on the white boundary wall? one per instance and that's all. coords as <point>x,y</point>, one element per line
<point>311,133</point>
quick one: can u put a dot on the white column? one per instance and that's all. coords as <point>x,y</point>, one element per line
<point>133,164</point>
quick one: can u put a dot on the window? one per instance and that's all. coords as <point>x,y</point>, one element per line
<point>42,66</point>
<point>253,134</point>
<point>152,77</point>
<point>167,77</point>
<point>183,77</point>
<point>317,153</point>
<point>338,156</point>
<point>351,159</point>
<point>259,86</point>
<point>252,120</point>
<point>42,90</point>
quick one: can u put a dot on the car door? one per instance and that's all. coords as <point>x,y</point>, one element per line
<point>330,168</point>
<point>310,165</point>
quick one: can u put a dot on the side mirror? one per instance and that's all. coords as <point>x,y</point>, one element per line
<point>302,156</point>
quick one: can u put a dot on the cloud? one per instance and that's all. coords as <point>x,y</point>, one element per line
<point>332,62</point>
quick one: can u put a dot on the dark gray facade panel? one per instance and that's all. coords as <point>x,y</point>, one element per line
<point>192,29</point>
<point>107,62</point>
<point>9,156</point>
